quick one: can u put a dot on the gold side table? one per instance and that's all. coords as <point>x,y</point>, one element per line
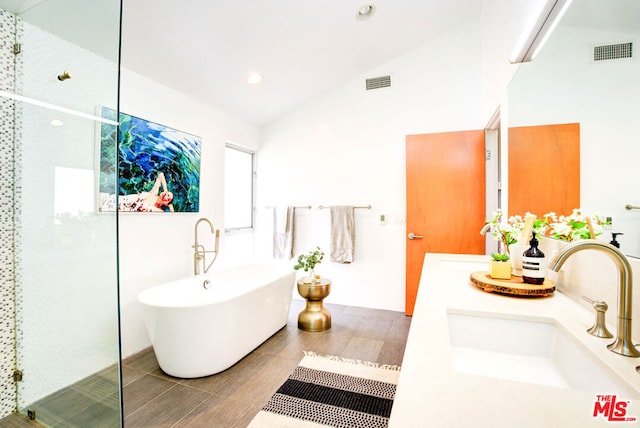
<point>314,317</point>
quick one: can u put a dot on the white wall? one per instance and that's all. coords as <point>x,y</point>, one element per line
<point>504,22</point>
<point>348,147</point>
<point>156,247</point>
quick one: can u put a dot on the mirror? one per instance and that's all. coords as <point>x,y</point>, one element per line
<point>566,84</point>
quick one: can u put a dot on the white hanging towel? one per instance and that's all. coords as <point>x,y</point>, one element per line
<point>343,234</point>
<point>283,222</point>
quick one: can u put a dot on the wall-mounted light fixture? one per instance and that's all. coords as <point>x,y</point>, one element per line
<point>533,40</point>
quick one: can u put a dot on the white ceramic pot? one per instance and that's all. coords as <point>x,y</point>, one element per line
<point>515,252</point>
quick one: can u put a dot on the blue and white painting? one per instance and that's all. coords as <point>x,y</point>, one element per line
<point>158,168</point>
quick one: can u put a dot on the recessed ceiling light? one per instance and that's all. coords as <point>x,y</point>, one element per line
<point>366,12</point>
<point>57,122</point>
<point>254,78</point>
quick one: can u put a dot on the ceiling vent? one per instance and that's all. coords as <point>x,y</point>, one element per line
<point>378,82</point>
<point>617,51</point>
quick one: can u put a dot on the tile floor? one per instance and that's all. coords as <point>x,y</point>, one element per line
<point>233,397</point>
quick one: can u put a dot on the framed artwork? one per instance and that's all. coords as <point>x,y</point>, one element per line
<point>153,168</point>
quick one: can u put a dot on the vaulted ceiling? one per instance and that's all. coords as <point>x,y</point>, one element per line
<point>206,48</point>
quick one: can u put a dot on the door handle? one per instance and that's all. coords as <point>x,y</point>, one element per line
<point>414,236</point>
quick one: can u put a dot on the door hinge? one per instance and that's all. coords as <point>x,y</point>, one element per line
<point>499,185</point>
<point>17,375</point>
<point>17,48</point>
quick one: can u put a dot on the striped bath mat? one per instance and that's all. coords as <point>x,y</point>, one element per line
<point>332,391</point>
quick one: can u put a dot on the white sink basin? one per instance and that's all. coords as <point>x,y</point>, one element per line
<point>536,352</point>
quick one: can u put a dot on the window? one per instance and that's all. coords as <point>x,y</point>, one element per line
<point>73,193</point>
<point>238,187</point>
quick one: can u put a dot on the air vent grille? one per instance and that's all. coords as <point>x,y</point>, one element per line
<point>617,51</point>
<point>378,82</point>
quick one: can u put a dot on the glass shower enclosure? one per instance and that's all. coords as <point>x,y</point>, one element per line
<point>59,287</point>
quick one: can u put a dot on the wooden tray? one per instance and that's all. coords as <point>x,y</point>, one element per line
<point>514,286</point>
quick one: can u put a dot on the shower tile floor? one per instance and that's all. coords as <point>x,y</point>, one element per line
<point>233,397</point>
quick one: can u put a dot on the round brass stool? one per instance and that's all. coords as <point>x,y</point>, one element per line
<point>314,317</point>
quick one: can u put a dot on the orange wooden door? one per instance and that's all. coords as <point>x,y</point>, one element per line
<point>544,169</point>
<point>445,199</point>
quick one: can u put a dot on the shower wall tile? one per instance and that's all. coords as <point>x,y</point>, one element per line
<point>7,274</point>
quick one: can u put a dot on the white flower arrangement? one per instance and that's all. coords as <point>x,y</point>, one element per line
<point>511,231</point>
<point>566,228</point>
<point>574,226</point>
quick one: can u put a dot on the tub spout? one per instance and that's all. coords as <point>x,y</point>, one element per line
<point>199,251</point>
<point>623,343</point>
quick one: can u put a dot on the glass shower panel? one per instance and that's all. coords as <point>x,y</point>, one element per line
<point>65,250</point>
<point>66,277</point>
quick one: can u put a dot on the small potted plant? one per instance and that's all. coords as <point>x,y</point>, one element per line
<point>308,262</point>
<point>500,266</point>
<point>313,289</point>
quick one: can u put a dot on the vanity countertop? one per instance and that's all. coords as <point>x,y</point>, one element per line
<point>431,394</point>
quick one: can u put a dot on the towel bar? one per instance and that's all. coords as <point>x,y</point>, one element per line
<point>297,206</point>
<point>365,207</point>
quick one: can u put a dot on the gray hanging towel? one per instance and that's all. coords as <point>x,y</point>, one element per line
<point>283,231</point>
<point>343,234</point>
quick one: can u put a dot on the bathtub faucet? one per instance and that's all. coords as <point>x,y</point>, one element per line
<point>199,251</point>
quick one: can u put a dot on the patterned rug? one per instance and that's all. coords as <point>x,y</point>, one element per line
<point>332,391</point>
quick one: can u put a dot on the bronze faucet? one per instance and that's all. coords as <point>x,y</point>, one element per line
<point>199,252</point>
<point>623,343</point>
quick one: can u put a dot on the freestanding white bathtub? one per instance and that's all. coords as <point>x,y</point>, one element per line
<point>197,331</point>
